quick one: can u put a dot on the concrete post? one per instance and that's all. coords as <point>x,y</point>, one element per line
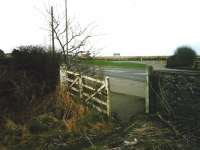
<point>149,70</point>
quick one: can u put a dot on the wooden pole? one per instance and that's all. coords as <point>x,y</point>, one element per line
<point>80,87</point>
<point>52,30</point>
<point>67,44</point>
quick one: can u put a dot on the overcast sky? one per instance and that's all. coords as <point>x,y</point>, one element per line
<point>129,27</point>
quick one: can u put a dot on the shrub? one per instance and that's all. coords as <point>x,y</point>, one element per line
<point>183,58</point>
<point>44,123</point>
<point>29,75</point>
<point>39,63</point>
<point>2,54</point>
<point>171,62</point>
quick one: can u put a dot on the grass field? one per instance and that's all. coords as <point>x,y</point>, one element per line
<point>120,64</point>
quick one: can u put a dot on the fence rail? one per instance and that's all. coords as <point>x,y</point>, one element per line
<point>91,91</point>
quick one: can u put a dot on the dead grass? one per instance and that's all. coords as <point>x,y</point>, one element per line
<point>58,121</point>
<point>78,118</point>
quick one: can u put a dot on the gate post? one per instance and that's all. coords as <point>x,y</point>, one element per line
<point>107,86</point>
<point>149,70</point>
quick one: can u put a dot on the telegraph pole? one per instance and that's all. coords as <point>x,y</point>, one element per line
<point>67,46</point>
<point>52,30</point>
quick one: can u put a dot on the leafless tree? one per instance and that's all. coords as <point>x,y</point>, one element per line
<point>76,44</point>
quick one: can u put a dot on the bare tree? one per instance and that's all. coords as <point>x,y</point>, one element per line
<point>76,43</point>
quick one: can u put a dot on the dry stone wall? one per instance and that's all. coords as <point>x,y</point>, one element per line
<point>176,95</point>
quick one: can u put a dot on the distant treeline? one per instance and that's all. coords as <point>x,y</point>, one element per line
<point>131,58</point>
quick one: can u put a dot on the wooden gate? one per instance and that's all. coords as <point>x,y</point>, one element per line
<point>93,92</point>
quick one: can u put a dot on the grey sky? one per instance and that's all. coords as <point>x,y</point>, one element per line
<point>130,27</point>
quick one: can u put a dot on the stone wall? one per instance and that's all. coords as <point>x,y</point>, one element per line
<point>176,96</point>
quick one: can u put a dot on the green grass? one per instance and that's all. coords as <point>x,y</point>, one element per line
<point>120,64</point>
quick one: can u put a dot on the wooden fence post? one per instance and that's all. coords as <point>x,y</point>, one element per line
<point>63,75</point>
<point>80,86</point>
<point>149,70</point>
<point>107,85</point>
